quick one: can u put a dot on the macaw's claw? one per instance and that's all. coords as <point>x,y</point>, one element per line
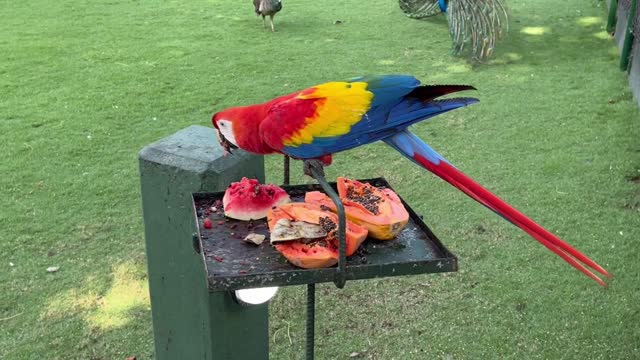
<point>313,164</point>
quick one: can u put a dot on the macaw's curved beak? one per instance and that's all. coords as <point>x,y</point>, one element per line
<point>226,144</point>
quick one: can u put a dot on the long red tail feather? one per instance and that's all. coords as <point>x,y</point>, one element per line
<point>455,177</point>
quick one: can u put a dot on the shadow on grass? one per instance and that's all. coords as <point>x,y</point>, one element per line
<point>99,318</point>
<point>535,45</point>
<point>532,43</point>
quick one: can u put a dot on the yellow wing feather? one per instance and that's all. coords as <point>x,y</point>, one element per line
<point>339,106</point>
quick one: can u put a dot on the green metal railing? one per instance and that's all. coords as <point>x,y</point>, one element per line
<point>611,19</point>
<point>627,43</point>
<point>628,37</point>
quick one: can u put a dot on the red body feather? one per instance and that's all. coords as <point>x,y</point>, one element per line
<point>248,122</point>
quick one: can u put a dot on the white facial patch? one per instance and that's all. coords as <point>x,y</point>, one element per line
<point>226,129</point>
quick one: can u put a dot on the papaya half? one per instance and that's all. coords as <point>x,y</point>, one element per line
<point>379,210</point>
<point>319,252</point>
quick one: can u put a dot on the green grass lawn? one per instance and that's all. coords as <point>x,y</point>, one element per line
<point>85,85</point>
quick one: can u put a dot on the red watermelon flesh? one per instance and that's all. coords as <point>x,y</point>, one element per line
<point>250,200</point>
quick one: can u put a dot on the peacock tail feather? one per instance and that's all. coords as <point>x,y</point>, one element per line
<point>475,25</point>
<point>418,9</point>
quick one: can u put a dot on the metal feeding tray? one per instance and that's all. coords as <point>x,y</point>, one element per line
<point>233,264</point>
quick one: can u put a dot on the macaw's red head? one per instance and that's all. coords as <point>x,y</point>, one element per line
<point>223,122</point>
<point>239,127</point>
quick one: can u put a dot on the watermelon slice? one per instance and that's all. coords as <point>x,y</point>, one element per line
<point>250,200</point>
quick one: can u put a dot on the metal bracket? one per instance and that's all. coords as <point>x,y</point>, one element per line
<point>340,278</point>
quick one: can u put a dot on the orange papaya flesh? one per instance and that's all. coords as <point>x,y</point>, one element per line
<point>379,210</point>
<point>315,253</point>
<point>308,256</point>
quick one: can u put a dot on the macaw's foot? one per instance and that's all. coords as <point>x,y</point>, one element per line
<point>316,165</point>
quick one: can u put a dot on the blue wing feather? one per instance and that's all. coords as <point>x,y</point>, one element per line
<point>393,109</point>
<point>388,89</point>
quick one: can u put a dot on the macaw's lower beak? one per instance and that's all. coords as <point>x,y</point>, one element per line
<point>226,145</point>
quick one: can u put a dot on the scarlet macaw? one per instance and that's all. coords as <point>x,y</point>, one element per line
<point>316,122</point>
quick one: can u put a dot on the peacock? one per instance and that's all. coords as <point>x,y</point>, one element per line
<point>475,23</point>
<point>267,7</point>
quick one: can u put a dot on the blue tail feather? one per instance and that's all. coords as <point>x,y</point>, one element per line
<point>407,143</point>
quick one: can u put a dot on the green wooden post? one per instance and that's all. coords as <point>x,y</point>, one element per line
<point>189,322</point>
